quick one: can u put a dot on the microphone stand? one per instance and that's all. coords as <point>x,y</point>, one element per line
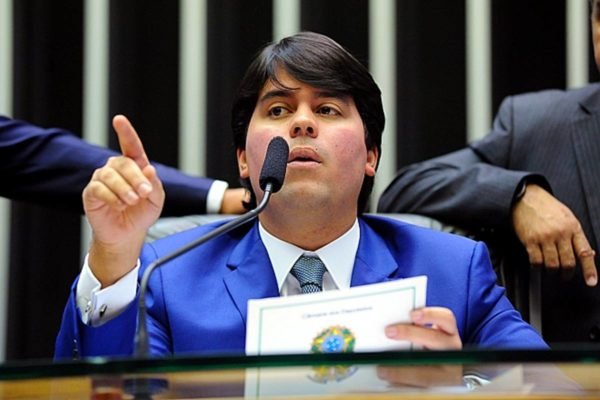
<point>141,345</point>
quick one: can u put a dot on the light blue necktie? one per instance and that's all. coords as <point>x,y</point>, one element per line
<point>309,271</point>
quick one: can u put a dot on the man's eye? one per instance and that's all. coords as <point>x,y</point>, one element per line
<point>277,111</point>
<point>326,110</point>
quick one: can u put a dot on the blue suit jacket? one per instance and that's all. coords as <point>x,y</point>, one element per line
<point>197,302</point>
<point>52,166</point>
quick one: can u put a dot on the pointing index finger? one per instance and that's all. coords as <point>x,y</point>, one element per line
<point>586,256</point>
<point>129,141</point>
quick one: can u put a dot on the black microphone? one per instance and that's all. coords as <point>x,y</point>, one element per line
<point>270,180</point>
<point>273,169</point>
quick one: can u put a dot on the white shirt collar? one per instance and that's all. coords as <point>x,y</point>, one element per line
<point>338,256</point>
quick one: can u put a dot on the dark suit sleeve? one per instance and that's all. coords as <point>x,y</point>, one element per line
<point>52,166</point>
<point>472,187</point>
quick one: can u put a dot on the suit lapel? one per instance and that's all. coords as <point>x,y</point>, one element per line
<point>252,275</point>
<point>374,262</point>
<point>585,135</point>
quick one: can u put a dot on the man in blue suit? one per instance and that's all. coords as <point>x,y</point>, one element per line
<point>52,166</point>
<point>310,91</point>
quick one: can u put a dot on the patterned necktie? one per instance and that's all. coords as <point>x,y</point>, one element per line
<point>309,271</point>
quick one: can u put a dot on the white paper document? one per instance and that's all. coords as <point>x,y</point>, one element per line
<point>350,320</point>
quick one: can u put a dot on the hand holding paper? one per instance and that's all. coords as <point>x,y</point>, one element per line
<point>433,328</point>
<point>336,321</point>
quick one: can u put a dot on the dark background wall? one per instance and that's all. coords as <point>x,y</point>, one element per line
<point>528,39</point>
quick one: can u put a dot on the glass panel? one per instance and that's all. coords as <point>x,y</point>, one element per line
<point>500,374</point>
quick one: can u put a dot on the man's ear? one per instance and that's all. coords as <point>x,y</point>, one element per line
<point>242,164</point>
<point>371,165</point>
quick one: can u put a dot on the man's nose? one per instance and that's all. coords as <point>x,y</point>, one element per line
<point>304,124</point>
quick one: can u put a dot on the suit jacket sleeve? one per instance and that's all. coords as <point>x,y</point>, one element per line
<point>52,166</point>
<point>115,337</point>
<point>490,319</point>
<point>76,340</point>
<point>472,187</point>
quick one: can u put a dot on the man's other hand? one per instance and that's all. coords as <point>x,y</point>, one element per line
<point>552,235</point>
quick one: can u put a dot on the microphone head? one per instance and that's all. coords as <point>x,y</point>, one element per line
<point>273,169</point>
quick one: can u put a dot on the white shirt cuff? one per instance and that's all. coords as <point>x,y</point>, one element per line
<point>97,305</point>
<point>214,200</point>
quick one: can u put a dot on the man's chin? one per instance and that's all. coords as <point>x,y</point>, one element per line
<point>301,194</point>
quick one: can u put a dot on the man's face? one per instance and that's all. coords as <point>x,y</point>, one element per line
<point>328,156</point>
<point>596,30</point>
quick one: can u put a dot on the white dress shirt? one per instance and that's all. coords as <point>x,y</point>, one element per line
<point>98,306</point>
<point>338,257</point>
<point>214,198</point>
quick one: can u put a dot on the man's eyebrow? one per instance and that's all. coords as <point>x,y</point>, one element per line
<point>320,94</point>
<point>335,94</point>
<point>275,93</point>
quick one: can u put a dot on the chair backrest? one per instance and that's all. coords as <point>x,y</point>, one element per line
<point>169,225</point>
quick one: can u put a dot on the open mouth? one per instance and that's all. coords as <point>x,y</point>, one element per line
<point>303,155</point>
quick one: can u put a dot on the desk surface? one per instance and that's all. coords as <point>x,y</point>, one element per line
<point>412,375</point>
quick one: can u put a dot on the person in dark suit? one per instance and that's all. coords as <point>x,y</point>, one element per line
<point>310,91</point>
<point>532,181</point>
<point>52,166</point>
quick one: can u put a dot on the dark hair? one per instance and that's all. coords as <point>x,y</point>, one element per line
<point>318,61</point>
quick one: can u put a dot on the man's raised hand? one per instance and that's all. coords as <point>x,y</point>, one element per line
<point>122,200</point>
